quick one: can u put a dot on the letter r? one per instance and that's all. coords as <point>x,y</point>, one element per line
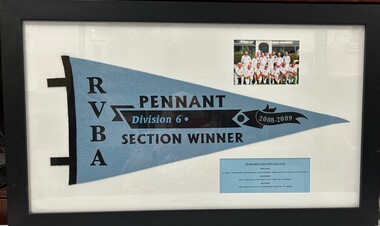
<point>95,82</point>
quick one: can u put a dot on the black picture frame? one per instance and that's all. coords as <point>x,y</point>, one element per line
<point>14,12</point>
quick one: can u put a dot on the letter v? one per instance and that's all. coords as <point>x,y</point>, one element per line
<point>95,108</point>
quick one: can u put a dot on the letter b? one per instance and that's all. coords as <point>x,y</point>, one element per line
<point>98,133</point>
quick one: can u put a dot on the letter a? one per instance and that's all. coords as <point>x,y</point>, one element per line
<point>98,158</point>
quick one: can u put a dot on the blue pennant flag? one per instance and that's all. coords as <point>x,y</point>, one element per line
<point>123,120</point>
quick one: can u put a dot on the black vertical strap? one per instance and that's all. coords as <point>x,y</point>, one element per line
<point>72,120</point>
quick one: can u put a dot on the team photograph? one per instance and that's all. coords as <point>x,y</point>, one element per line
<point>264,62</point>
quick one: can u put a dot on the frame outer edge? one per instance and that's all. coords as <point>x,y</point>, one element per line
<point>12,55</point>
<point>14,115</point>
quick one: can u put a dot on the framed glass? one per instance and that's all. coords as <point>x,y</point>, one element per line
<point>190,113</point>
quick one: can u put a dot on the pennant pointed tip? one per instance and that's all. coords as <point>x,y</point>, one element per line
<point>341,120</point>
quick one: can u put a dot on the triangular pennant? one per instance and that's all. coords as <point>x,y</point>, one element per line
<point>123,120</point>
